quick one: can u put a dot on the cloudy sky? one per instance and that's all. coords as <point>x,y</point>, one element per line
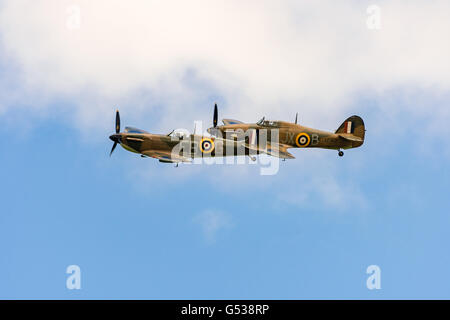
<point>141,229</point>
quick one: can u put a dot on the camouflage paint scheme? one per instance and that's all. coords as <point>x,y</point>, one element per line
<point>291,135</point>
<point>173,149</point>
<point>240,139</point>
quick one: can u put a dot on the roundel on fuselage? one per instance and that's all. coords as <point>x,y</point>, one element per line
<point>206,145</point>
<point>302,140</point>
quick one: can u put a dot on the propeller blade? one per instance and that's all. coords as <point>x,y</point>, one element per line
<point>296,115</point>
<point>215,116</point>
<point>117,121</point>
<point>113,147</point>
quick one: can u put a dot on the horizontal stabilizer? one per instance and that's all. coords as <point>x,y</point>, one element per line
<point>350,137</point>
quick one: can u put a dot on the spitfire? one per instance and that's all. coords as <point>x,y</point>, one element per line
<point>174,147</point>
<point>349,135</point>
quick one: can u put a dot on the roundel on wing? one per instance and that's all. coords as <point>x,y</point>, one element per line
<point>206,145</point>
<point>302,140</point>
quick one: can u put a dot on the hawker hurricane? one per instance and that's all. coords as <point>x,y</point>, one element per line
<point>350,134</point>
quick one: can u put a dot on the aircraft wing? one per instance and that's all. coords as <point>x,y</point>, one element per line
<point>350,137</point>
<point>274,150</point>
<point>166,156</point>
<point>278,150</point>
<point>231,121</point>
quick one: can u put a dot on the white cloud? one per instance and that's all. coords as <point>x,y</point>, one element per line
<point>167,61</point>
<point>211,223</point>
<point>312,57</point>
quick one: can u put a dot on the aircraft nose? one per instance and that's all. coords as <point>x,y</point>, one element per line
<point>115,137</point>
<point>214,131</point>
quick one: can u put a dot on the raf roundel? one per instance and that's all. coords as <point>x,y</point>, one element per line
<point>206,145</point>
<point>302,140</point>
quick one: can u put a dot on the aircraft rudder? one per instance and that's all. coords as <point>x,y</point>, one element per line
<point>353,125</point>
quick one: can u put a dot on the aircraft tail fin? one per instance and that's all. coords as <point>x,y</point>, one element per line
<point>353,125</point>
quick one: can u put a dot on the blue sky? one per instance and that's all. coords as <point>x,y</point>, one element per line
<point>66,202</point>
<point>141,229</point>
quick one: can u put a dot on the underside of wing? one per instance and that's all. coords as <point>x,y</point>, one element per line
<point>231,121</point>
<point>274,150</point>
<point>166,156</point>
<point>278,150</point>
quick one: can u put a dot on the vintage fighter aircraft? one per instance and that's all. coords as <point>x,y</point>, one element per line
<point>174,147</point>
<point>292,135</point>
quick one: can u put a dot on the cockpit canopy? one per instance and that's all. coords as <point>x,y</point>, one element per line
<point>180,133</point>
<point>134,130</point>
<point>267,123</point>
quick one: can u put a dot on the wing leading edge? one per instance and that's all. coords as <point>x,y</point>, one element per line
<point>166,156</point>
<point>275,150</point>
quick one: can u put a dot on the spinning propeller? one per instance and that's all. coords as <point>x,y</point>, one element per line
<point>116,137</point>
<point>213,129</point>
<point>215,116</point>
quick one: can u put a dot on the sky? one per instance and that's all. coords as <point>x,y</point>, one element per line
<point>140,229</point>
